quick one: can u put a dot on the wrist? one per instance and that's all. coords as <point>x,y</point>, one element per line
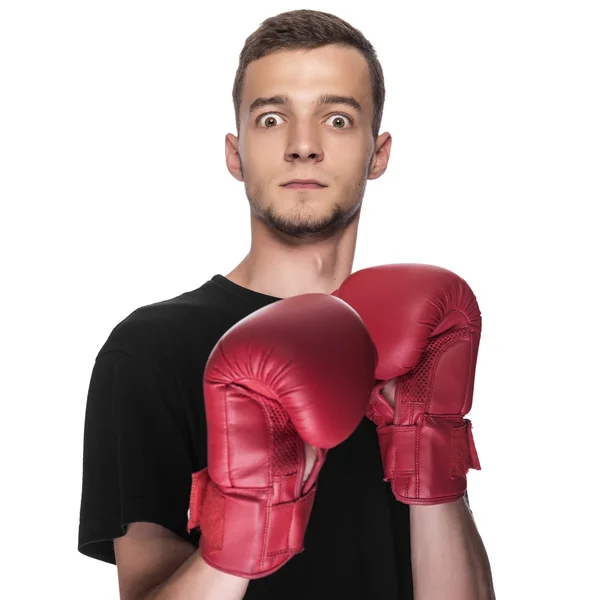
<point>457,510</point>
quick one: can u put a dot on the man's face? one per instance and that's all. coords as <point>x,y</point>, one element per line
<point>286,134</point>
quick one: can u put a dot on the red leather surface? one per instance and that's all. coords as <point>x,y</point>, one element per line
<point>426,324</point>
<point>299,370</point>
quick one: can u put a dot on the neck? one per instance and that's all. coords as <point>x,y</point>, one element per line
<point>284,268</point>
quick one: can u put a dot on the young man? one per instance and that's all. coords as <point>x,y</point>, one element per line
<point>308,98</point>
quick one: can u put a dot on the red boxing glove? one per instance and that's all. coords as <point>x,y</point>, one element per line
<point>426,325</point>
<point>298,370</point>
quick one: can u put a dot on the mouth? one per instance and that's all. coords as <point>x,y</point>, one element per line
<point>303,186</point>
<point>306,184</point>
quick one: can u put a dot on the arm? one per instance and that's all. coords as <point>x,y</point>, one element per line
<point>449,561</point>
<point>426,323</point>
<point>123,484</point>
<point>155,564</point>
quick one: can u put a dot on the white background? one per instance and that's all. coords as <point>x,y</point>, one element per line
<point>115,194</point>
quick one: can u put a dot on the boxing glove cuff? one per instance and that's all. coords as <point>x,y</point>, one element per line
<point>427,463</point>
<point>242,531</point>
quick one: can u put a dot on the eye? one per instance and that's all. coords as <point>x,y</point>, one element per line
<point>343,117</point>
<point>270,115</point>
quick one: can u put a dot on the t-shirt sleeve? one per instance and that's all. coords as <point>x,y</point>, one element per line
<point>137,454</point>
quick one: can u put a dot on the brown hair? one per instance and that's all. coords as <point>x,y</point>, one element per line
<point>308,29</point>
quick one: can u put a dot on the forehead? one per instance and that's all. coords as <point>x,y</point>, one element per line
<point>305,74</point>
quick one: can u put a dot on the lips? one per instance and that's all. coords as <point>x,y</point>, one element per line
<point>304,186</point>
<point>305,182</point>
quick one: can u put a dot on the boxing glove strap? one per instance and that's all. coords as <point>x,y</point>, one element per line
<point>444,442</point>
<point>242,532</point>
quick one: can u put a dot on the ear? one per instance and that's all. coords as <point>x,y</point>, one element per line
<point>379,162</point>
<point>232,156</point>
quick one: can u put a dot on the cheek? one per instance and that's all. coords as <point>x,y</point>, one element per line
<point>260,156</point>
<point>355,164</point>
<point>262,141</point>
<point>353,151</point>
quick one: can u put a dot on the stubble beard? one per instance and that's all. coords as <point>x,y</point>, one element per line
<point>301,225</point>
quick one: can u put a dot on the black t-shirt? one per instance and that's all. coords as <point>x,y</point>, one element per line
<point>145,434</point>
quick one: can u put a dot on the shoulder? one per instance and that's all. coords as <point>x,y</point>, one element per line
<point>174,335</point>
<point>154,332</point>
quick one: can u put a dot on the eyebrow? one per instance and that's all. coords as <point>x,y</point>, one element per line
<point>322,100</point>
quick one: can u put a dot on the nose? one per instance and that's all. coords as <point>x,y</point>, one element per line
<point>303,144</point>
